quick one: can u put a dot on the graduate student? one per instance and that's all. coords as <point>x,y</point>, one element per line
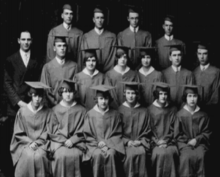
<point>162,117</point>
<point>192,134</point>
<point>67,140</point>
<point>163,52</point>
<point>103,134</point>
<point>72,35</point>
<point>120,73</point>
<point>89,76</point>
<point>176,75</point>
<point>101,38</point>
<point>147,75</point>
<point>136,129</point>
<point>28,145</point>
<point>134,36</point>
<point>54,71</point>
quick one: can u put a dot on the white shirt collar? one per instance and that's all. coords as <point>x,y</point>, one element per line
<point>176,68</point>
<point>98,110</point>
<point>25,56</point>
<point>151,69</point>
<point>85,70</point>
<point>122,73</point>
<point>61,62</point>
<point>127,105</point>
<point>64,105</point>
<point>132,29</point>
<point>202,67</point>
<point>98,31</point>
<point>32,110</point>
<point>196,110</point>
<point>67,27</point>
<point>155,103</point>
<point>169,38</point>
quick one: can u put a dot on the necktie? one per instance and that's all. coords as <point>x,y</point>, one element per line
<point>26,59</point>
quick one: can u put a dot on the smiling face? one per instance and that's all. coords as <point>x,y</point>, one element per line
<point>98,20</point>
<point>67,16</point>
<point>91,63</point>
<point>25,41</point>
<point>176,58</point>
<point>133,19</point>
<point>202,55</point>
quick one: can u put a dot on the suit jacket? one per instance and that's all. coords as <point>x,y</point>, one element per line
<point>15,75</point>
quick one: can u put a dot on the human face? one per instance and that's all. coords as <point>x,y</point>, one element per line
<point>25,41</point>
<point>91,63</point>
<point>176,58</point>
<point>191,99</point>
<point>103,102</point>
<point>67,16</point>
<point>130,96</point>
<point>36,100</point>
<point>68,96</point>
<point>122,61</point>
<point>146,61</point>
<point>202,55</point>
<point>98,20</point>
<point>133,19</point>
<point>60,49</point>
<point>168,28</point>
<point>162,97</point>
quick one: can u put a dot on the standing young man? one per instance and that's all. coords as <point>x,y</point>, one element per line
<point>72,34</point>
<point>102,39</point>
<point>134,37</point>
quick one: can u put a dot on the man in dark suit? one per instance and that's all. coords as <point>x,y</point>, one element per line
<point>19,67</point>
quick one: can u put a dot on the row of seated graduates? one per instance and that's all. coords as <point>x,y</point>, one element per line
<point>160,117</point>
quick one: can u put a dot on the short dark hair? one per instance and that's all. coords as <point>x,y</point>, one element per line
<point>24,30</point>
<point>185,95</point>
<point>39,92</point>
<point>157,92</point>
<point>107,94</point>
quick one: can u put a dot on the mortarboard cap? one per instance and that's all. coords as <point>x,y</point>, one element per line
<point>67,6</point>
<point>175,47</point>
<point>131,85</point>
<point>146,50</point>
<point>37,85</point>
<point>161,86</point>
<point>90,52</point>
<point>191,88</point>
<point>68,84</point>
<point>169,18</point>
<point>59,39</point>
<point>102,88</point>
<point>120,50</point>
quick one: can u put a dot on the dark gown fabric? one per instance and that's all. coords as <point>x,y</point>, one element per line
<point>67,124</point>
<point>106,52</point>
<point>133,40</point>
<point>135,127</point>
<point>87,95</point>
<point>176,81</point>
<point>187,127</point>
<point>73,39</point>
<point>114,79</point>
<point>146,89</point>
<point>52,75</point>
<point>107,128</point>
<point>164,160</point>
<point>31,127</point>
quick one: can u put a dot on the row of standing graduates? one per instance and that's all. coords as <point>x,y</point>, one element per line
<point>62,138</point>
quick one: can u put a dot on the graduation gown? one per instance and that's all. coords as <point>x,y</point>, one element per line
<point>132,40</point>
<point>87,95</point>
<point>163,52</point>
<point>52,75</point>
<point>68,124</point>
<point>15,75</point>
<point>176,80</point>
<point>107,128</point>
<point>30,127</point>
<point>209,79</point>
<point>104,42</point>
<point>114,78</point>
<point>146,90</point>
<point>135,127</point>
<point>189,126</point>
<point>164,160</point>
<point>73,38</point>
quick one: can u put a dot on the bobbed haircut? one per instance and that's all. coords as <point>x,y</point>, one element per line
<point>184,96</point>
<point>39,92</point>
<point>156,93</point>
